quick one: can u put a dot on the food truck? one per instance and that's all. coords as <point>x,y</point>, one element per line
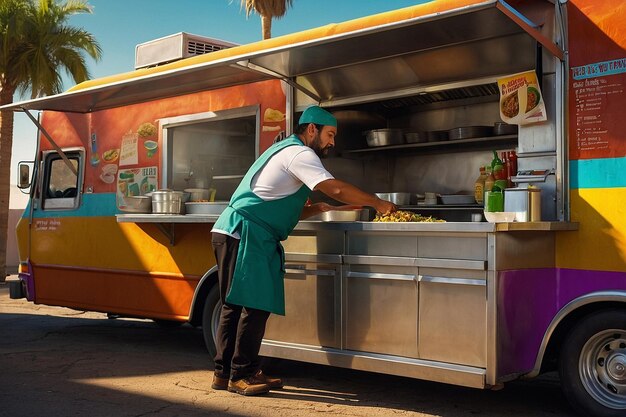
<point>132,170</point>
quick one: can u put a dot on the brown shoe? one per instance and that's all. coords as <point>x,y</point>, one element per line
<point>248,386</point>
<point>219,383</point>
<point>274,383</point>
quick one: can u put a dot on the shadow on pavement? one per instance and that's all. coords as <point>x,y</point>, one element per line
<point>72,365</point>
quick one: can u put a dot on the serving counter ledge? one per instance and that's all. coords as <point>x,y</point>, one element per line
<point>310,225</point>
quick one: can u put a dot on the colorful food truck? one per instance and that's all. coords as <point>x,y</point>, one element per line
<point>132,170</point>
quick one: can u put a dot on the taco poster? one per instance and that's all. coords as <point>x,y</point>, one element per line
<point>521,101</point>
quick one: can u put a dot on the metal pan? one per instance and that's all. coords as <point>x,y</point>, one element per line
<point>415,137</point>
<point>437,135</point>
<point>500,128</point>
<point>384,137</point>
<point>468,132</point>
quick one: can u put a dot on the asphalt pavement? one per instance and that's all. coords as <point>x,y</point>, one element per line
<point>61,362</point>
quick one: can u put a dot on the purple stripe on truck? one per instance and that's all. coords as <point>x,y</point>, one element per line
<point>529,299</point>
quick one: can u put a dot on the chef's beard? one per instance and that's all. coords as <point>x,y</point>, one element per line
<point>316,145</point>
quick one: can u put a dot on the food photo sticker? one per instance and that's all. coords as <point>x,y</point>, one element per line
<point>521,101</point>
<point>135,182</point>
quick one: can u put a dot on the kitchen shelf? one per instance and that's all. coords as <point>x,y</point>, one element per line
<point>491,140</point>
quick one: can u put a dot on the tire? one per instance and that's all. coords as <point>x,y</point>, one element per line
<point>592,365</point>
<point>211,318</point>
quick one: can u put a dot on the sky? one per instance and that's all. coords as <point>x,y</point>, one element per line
<point>119,25</point>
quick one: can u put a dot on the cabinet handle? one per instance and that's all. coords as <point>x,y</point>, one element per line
<point>377,275</point>
<point>448,280</point>
<point>297,270</point>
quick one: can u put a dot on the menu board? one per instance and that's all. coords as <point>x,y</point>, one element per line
<point>595,111</point>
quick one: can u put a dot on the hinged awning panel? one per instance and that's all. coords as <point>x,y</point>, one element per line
<point>421,45</point>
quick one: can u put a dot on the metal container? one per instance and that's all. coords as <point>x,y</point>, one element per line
<point>342,216</point>
<point>384,137</point>
<point>136,204</point>
<point>401,199</point>
<point>206,208</point>
<point>524,202</point>
<point>167,202</point>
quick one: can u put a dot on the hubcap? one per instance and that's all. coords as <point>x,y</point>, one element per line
<point>616,367</point>
<point>603,368</point>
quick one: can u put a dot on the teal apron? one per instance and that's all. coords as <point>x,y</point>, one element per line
<point>260,269</point>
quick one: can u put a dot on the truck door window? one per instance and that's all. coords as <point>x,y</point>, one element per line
<point>61,185</point>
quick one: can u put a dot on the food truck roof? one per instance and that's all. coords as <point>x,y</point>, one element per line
<point>404,43</point>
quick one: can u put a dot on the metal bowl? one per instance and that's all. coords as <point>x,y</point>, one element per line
<point>384,137</point>
<point>168,201</point>
<point>136,204</point>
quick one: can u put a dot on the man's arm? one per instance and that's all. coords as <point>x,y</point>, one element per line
<point>349,194</point>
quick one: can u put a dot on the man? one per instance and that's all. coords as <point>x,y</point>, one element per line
<point>262,212</point>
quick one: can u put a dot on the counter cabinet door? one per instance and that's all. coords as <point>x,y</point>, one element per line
<point>311,306</point>
<point>453,320</point>
<point>381,309</point>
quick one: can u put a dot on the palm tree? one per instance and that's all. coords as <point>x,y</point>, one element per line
<point>36,44</point>
<point>267,9</point>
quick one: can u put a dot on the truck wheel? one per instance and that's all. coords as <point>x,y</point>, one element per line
<point>211,319</point>
<point>592,365</point>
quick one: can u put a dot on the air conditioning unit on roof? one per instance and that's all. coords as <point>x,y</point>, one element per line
<point>175,47</point>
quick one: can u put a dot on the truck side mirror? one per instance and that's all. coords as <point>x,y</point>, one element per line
<point>24,175</point>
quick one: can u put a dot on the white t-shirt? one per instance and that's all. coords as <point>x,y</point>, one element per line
<point>285,172</point>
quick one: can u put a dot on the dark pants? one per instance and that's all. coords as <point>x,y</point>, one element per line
<point>241,329</point>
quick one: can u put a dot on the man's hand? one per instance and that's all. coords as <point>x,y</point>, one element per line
<point>385,206</point>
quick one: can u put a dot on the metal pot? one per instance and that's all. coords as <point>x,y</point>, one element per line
<point>167,202</point>
<point>384,137</point>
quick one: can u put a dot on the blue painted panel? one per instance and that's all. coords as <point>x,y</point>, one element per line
<point>598,173</point>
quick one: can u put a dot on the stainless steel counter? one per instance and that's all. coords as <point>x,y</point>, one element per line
<point>308,225</point>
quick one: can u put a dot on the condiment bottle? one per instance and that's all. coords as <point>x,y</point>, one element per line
<point>479,186</point>
<point>489,181</point>
<point>511,166</point>
<point>497,168</point>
